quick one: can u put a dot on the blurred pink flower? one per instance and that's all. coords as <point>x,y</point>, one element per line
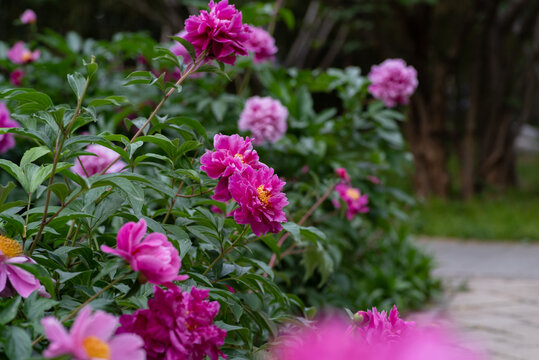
<point>343,174</point>
<point>373,179</point>
<point>393,82</point>
<point>16,77</point>
<point>28,16</point>
<point>91,337</point>
<point>177,325</point>
<point>232,154</point>
<point>355,202</point>
<point>260,198</point>
<point>377,326</point>
<point>13,277</point>
<point>219,31</point>
<point>19,54</point>
<point>153,256</point>
<point>88,165</point>
<point>265,118</point>
<point>262,45</point>
<point>7,141</point>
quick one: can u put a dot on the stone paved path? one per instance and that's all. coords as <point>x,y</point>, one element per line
<point>492,294</point>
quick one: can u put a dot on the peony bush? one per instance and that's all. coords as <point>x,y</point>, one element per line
<point>192,199</point>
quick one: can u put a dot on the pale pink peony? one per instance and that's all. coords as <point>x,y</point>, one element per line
<point>16,77</point>
<point>219,31</point>
<point>153,256</point>
<point>88,165</point>
<point>355,202</point>
<point>7,141</point>
<point>19,54</point>
<point>377,327</point>
<point>28,16</point>
<point>177,325</point>
<point>262,45</point>
<point>232,153</point>
<point>12,277</point>
<point>265,118</point>
<point>91,337</point>
<point>260,198</point>
<point>393,82</point>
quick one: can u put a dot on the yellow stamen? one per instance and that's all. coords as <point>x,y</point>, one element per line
<point>96,348</point>
<point>26,56</point>
<point>263,194</point>
<point>10,247</point>
<point>240,156</point>
<point>353,193</point>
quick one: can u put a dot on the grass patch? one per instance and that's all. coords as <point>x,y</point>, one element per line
<point>512,215</point>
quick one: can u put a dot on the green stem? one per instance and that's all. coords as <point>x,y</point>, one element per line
<point>226,251</point>
<point>26,220</point>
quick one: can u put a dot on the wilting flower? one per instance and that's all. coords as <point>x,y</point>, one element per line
<point>355,202</point>
<point>88,165</point>
<point>377,326</point>
<point>265,118</point>
<point>177,325</point>
<point>19,54</point>
<point>91,338</point>
<point>343,174</point>
<point>16,77</point>
<point>219,31</point>
<point>7,141</point>
<point>232,153</point>
<point>260,199</point>
<point>393,82</point>
<point>153,256</point>
<point>262,45</point>
<point>13,277</point>
<point>28,16</point>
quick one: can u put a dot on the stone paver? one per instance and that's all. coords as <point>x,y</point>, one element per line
<point>492,294</point>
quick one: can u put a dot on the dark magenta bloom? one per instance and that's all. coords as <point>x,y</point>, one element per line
<point>380,327</point>
<point>177,325</point>
<point>260,198</point>
<point>219,31</point>
<point>231,154</point>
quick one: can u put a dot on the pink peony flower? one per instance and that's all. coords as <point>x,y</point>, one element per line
<point>12,277</point>
<point>355,202</point>
<point>262,45</point>
<point>19,54</point>
<point>373,179</point>
<point>7,141</point>
<point>393,82</point>
<point>88,165</point>
<point>177,325</point>
<point>265,118</point>
<point>343,174</point>
<point>219,31</point>
<point>16,77</point>
<point>154,256</point>
<point>376,327</point>
<point>28,17</point>
<point>231,154</point>
<point>91,338</point>
<point>260,199</point>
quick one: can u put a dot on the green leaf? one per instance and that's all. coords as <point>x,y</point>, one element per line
<point>9,311</point>
<point>31,101</point>
<point>77,82</point>
<point>35,306</point>
<point>109,100</point>
<point>187,45</point>
<point>14,171</point>
<point>33,154</point>
<point>212,69</point>
<point>91,67</point>
<point>5,190</point>
<point>18,343</point>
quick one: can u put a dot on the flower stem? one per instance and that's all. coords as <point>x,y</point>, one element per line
<point>227,250</point>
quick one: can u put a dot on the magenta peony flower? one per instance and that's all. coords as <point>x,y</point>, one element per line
<point>231,154</point>
<point>7,141</point>
<point>12,277</point>
<point>262,45</point>
<point>19,54</point>
<point>28,17</point>
<point>261,201</point>
<point>88,165</point>
<point>219,31</point>
<point>91,338</point>
<point>154,256</point>
<point>393,82</point>
<point>16,77</point>
<point>177,325</point>
<point>265,118</point>
<point>378,327</point>
<point>355,202</point>
<point>343,174</point>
